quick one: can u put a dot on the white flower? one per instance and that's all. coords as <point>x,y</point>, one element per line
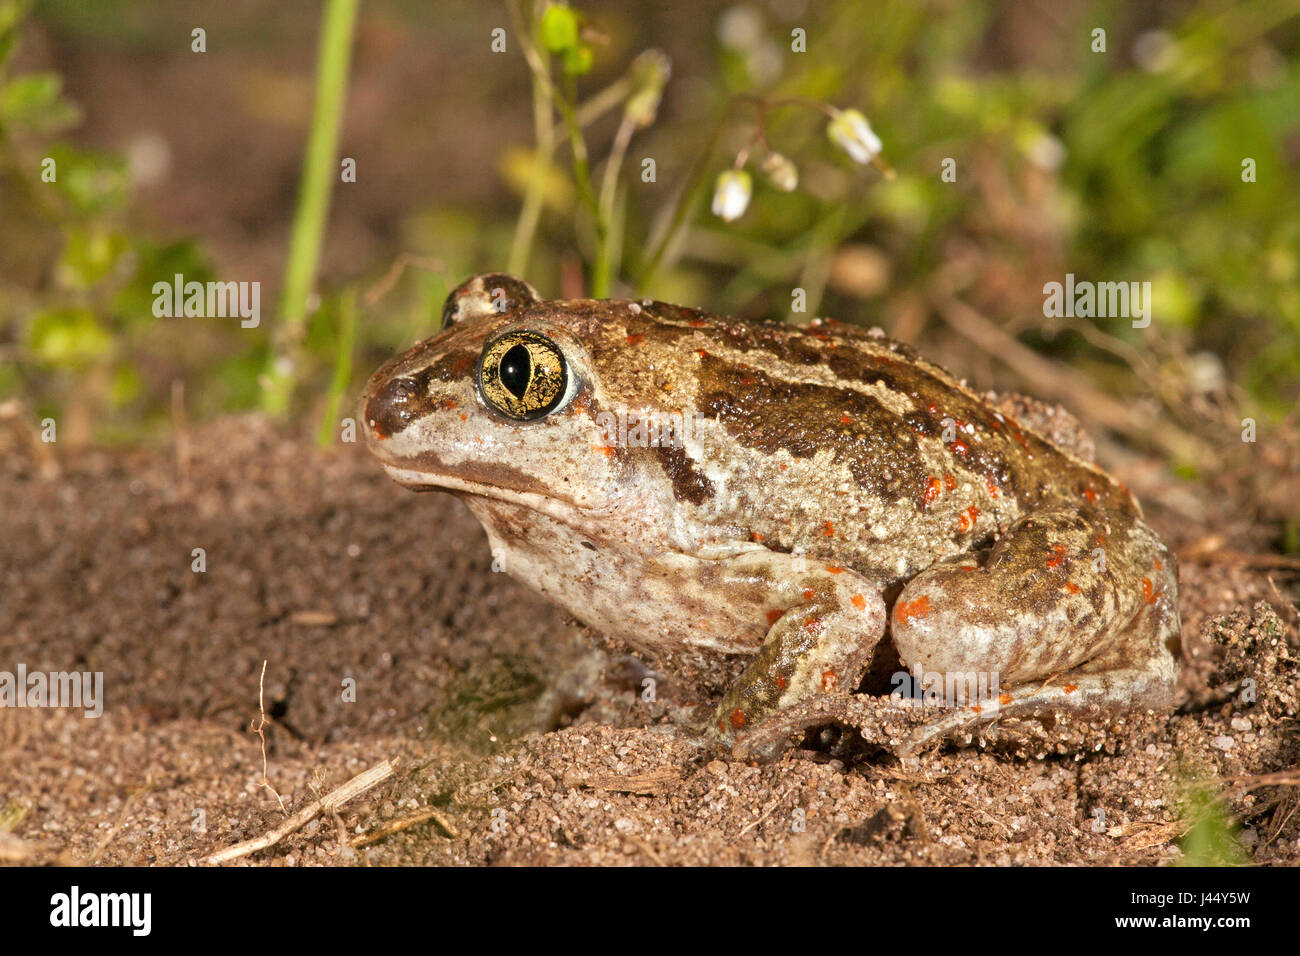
<point>851,132</point>
<point>731,194</point>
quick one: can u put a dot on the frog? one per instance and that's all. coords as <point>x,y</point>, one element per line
<point>767,510</point>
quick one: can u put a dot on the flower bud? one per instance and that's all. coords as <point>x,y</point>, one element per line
<point>731,194</point>
<point>850,131</point>
<point>780,172</point>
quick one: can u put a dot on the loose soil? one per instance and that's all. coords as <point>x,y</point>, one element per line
<point>533,746</point>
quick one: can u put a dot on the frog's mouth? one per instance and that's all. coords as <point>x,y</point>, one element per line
<point>563,509</point>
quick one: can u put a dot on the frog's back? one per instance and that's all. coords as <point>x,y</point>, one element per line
<point>834,440</point>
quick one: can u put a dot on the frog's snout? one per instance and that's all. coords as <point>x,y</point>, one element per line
<point>389,406</point>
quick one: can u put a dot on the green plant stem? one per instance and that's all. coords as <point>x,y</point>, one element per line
<point>685,200</point>
<point>544,129</point>
<point>826,238</point>
<point>582,176</point>
<point>342,368</point>
<point>334,55</point>
<point>604,268</point>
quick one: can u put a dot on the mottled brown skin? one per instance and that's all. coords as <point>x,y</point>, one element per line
<point>830,467</point>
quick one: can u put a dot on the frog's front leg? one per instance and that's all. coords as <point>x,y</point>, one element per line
<point>1074,610</point>
<point>825,623</point>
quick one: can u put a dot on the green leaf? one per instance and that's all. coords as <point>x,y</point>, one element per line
<point>32,100</point>
<point>91,182</point>
<point>68,338</point>
<point>559,29</point>
<point>89,255</point>
<point>133,303</point>
<point>11,14</point>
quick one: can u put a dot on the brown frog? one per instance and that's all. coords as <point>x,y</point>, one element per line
<point>752,507</point>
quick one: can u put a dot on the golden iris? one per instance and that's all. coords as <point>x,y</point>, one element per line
<point>522,375</point>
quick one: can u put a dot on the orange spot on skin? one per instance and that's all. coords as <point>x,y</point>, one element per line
<point>1070,688</point>
<point>905,610</point>
<point>969,567</point>
<point>949,482</point>
<point>1004,699</point>
<point>960,448</point>
<point>774,615</point>
<point>635,339</point>
<point>966,520</point>
<point>978,709</point>
<point>829,680</point>
<point>1101,540</point>
<point>845,420</point>
<point>748,380</point>
<point>698,323</point>
<point>859,602</point>
<point>756,536</point>
<point>814,626</point>
<point>932,408</point>
<point>464,417</point>
<point>829,530</point>
<point>1148,592</point>
<point>780,682</point>
<point>1072,587</point>
<point>737,718</point>
<point>991,488</point>
<point>784,467</point>
<point>606,450</point>
<point>931,492</point>
<point>1058,556</point>
<point>1089,494</point>
<point>1160,565</point>
<point>834,569</point>
<point>702,353</point>
<point>449,403</point>
<point>809,594</point>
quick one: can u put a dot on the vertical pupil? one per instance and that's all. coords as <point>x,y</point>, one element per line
<point>516,370</point>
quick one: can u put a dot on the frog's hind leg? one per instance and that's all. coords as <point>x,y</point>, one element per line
<point>827,622</point>
<point>1074,610</point>
<point>1115,682</point>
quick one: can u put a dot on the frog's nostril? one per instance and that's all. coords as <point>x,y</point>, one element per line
<point>392,407</point>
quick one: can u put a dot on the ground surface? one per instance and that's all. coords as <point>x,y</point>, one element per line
<point>533,747</point>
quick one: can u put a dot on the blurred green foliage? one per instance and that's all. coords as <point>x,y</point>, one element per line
<point>1212,835</point>
<point>1119,165</point>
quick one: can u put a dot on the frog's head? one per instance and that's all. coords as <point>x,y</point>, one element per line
<point>497,404</point>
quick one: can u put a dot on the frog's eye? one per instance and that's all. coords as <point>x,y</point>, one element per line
<point>522,375</point>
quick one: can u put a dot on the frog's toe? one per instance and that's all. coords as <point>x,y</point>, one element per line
<point>769,739</point>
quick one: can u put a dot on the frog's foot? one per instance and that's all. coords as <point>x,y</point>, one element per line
<point>1074,611</point>
<point>1146,685</point>
<point>823,632</point>
<point>769,738</point>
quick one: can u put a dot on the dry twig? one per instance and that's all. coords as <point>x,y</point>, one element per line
<point>327,804</point>
<point>405,823</point>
